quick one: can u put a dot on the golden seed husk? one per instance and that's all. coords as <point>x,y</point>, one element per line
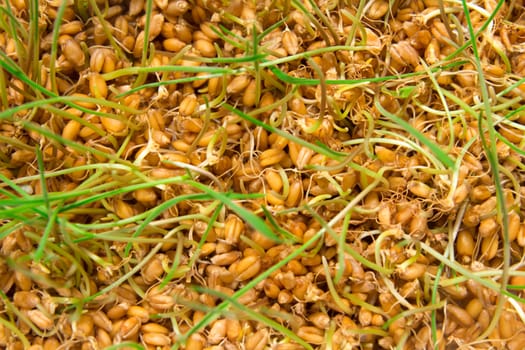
<point>98,86</point>
<point>103,338</point>
<point>377,9</point>
<point>156,339</point>
<point>139,312</point>
<point>40,319</point>
<point>465,243</point>
<point>71,130</point>
<point>488,227</point>
<point>101,320</point>
<point>205,48</point>
<point>312,335</point>
<point>130,327</point>
<point>474,308</point>
<point>420,189</point>
<point>271,156</point>
<point>247,268</point>
<point>238,84</point>
<point>412,271</point>
<point>26,299</point>
<point>489,247</point>
<point>290,42</point>
<point>73,52</point>
<point>217,331</point>
<point>257,340</point>
<point>460,315</point>
<point>403,53</point>
<point>85,326</point>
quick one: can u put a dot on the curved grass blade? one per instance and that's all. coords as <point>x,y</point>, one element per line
<point>436,150</point>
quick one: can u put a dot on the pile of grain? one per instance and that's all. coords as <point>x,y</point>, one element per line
<point>305,115</point>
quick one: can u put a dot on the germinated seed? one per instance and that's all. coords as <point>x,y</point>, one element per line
<point>73,52</point>
<point>41,320</point>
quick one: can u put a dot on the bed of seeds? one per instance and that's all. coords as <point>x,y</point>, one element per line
<point>262,174</point>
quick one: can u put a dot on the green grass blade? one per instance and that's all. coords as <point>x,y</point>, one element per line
<point>448,163</point>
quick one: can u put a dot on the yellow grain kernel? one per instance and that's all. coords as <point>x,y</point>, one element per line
<point>217,332</point>
<point>177,8</point>
<point>412,271</point>
<point>250,94</point>
<point>274,180</point>
<point>110,63</point>
<point>233,228</point>
<point>71,130</point>
<point>97,86</point>
<point>257,340</point>
<point>460,315</point>
<point>85,326</point>
<point>420,189</point>
<point>247,268</point>
<point>225,259</point>
<point>304,155</point>
<point>205,48</point>
<point>96,61</point>
<point>489,247</point>
<point>465,243</point>
<point>514,225</point>
<point>404,54</point>
<point>384,154</point>
<point>290,42</point>
<point>155,27</point>
<point>154,328</point>
<point>73,52</point>
<point>123,209</point>
<point>113,126</point>
<point>26,299</point>
<point>295,193</point>
<point>312,335</point>
<point>238,84</point>
<point>234,331</point>
<point>188,105</point>
<point>461,193</point>
<point>130,327</point>
<point>377,9</point>
<point>432,52</point>
<point>271,156</point>
<point>488,227</point>
<point>40,319</point>
<point>474,307</point>
<point>101,320</point>
<point>209,30</point>
<point>103,338</point>
<point>156,339</point>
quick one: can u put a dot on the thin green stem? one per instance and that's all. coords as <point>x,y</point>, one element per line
<point>492,155</point>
